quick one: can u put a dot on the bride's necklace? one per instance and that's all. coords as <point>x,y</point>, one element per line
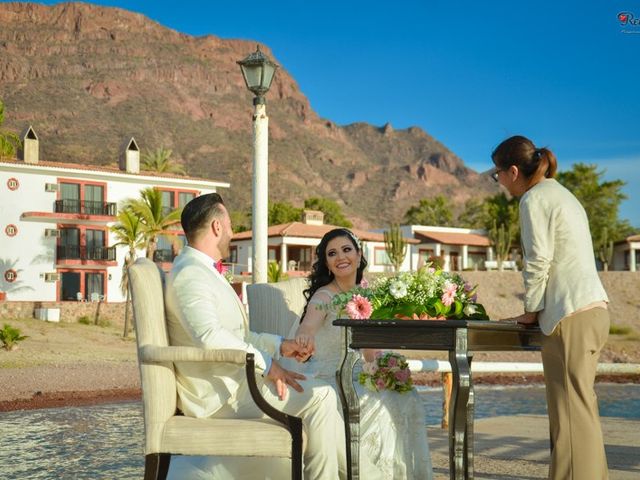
<point>335,282</point>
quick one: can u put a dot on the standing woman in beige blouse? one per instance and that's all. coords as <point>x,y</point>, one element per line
<point>564,295</point>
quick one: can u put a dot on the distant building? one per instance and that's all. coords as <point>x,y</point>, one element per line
<point>456,248</point>
<point>293,246</point>
<point>55,219</point>
<point>626,254</point>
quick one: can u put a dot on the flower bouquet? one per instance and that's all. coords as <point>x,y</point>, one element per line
<point>389,371</point>
<point>427,294</point>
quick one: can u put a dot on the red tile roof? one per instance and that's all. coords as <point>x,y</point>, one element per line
<point>100,168</point>
<point>454,238</point>
<point>299,229</point>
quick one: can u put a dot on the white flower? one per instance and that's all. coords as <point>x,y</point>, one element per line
<point>469,310</point>
<point>398,289</point>
<point>370,368</point>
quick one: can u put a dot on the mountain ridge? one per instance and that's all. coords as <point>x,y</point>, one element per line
<point>87,76</point>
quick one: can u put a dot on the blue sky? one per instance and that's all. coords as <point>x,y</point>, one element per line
<point>566,74</point>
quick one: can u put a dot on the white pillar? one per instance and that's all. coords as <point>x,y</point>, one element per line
<point>465,255</point>
<point>632,259</point>
<point>260,193</point>
<point>283,256</point>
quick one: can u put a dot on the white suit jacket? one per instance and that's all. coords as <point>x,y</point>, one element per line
<point>203,310</point>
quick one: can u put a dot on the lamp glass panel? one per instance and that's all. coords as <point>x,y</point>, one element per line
<point>268,75</point>
<point>252,74</point>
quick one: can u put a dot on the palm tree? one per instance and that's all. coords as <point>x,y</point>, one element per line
<point>158,161</point>
<point>9,141</point>
<point>128,232</point>
<point>155,220</point>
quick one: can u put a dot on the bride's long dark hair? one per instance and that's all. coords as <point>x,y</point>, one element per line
<point>320,273</point>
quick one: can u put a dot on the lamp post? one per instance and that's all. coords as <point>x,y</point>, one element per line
<point>258,72</point>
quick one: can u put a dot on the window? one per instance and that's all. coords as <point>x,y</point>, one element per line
<point>85,198</point>
<point>164,250</point>
<point>167,199</point>
<point>70,289</point>
<point>380,256</point>
<point>475,260</point>
<point>93,199</point>
<point>233,254</point>
<point>69,243</point>
<point>94,244</point>
<point>94,286</point>
<point>70,196</point>
<point>184,198</point>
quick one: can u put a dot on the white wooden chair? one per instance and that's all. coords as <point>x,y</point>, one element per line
<point>275,307</point>
<point>167,432</point>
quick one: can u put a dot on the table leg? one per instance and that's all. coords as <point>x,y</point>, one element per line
<point>350,406</point>
<point>460,368</point>
<point>470,420</point>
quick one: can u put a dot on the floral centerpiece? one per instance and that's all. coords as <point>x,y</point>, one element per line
<point>389,371</point>
<point>427,294</point>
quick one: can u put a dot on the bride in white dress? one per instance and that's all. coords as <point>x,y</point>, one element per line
<point>393,435</point>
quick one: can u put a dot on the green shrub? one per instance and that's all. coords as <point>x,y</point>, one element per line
<point>103,322</point>
<point>85,320</point>
<point>10,336</point>
<point>620,329</point>
<point>275,273</point>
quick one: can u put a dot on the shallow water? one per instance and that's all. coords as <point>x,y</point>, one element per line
<point>105,441</point>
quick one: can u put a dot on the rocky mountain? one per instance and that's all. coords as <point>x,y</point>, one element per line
<point>87,77</point>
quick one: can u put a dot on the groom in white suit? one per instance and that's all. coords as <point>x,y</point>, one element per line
<point>203,310</point>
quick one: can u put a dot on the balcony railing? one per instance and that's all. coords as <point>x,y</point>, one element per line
<point>163,255</point>
<point>78,252</point>
<point>86,207</point>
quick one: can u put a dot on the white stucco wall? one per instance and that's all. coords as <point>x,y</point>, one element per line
<point>31,254</point>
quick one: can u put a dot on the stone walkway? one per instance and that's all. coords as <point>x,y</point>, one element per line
<point>517,447</point>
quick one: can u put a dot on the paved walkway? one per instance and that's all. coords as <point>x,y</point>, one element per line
<point>517,447</point>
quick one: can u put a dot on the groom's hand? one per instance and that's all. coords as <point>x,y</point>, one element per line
<point>291,349</point>
<point>283,377</point>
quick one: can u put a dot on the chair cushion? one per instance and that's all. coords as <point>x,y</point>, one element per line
<point>221,436</point>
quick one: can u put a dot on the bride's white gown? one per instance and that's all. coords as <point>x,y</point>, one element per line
<point>393,435</point>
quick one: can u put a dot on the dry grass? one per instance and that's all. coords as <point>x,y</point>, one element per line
<point>67,344</point>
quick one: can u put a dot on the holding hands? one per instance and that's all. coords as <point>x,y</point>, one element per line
<point>295,349</point>
<point>305,340</point>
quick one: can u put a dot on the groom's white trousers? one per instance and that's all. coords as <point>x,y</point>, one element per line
<point>324,454</point>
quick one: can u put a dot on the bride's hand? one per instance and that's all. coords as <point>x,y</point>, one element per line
<point>306,341</point>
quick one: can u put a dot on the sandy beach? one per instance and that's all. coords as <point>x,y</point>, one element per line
<point>69,363</point>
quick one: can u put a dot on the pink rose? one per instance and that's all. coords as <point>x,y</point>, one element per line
<point>403,375</point>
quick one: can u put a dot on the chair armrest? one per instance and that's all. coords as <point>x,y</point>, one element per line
<point>291,423</point>
<point>158,354</point>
